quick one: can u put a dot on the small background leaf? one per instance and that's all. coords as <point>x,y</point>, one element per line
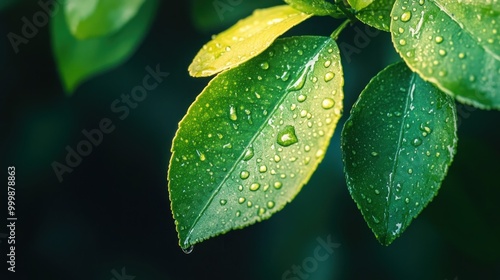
<point>317,7</point>
<point>397,146</point>
<point>375,14</point>
<point>95,18</point>
<point>77,60</point>
<point>453,45</point>
<point>246,39</point>
<point>254,136</point>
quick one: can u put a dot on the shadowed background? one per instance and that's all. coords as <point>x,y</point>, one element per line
<point>112,212</point>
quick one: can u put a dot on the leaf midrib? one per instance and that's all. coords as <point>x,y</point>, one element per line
<point>258,132</point>
<point>410,91</point>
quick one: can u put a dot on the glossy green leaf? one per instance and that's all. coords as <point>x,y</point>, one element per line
<point>95,18</point>
<point>396,147</point>
<point>375,14</point>
<point>253,137</point>
<point>317,7</point>
<point>77,60</point>
<point>359,4</point>
<point>453,45</point>
<point>244,40</point>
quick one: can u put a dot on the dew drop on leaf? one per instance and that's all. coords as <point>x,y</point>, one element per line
<point>327,103</point>
<point>287,137</point>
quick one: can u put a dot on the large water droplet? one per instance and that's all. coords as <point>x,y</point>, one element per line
<point>241,200</point>
<point>270,204</point>
<point>287,137</point>
<point>438,39</point>
<point>406,16</point>
<point>416,142</point>
<point>277,185</point>
<point>223,202</point>
<point>244,175</point>
<point>301,98</point>
<point>262,169</point>
<point>329,76</point>
<point>249,153</point>
<point>254,186</point>
<point>327,103</point>
<point>188,251</point>
<point>264,65</point>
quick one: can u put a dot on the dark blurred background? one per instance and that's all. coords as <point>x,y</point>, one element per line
<point>110,218</point>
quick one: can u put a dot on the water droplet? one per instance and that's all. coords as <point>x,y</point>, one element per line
<point>287,137</point>
<point>327,63</point>
<point>416,142</point>
<point>375,220</point>
<point>402,42</point>
<point>264,65</point>
<point>438,39</point>
<point>240,188</point>
<point>461,55</point>
<point>238,213</point>
<point>254,186</point>
<point>307,148</point>
<point>329,76</point>
<point>406,16</point>
<point>223,202</point>
<point>407,200</point>
<point>284,77</point>
<point>327,103</point>
<point>249,204</point>
<point>410,171</point>
<point>377,192</point>
<point>188,251</point>
<point>241,200</point>
<point>232,113</point>
<point>262,169</point>
<point>301,98</point>
<point>277,158</point>
<point>374,154</point>
<point>261,211</point>
<point>401,30</point>
<point>270,204</point>
<point>300,82</point>
<point>442,52</point>
<point>277,185</point>
<point>244,175</point>
<point>421,2</point>
<point>202,157</point>
<point>249,153</point>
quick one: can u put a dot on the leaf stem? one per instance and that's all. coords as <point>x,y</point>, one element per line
<point>347,11</point>
<point>335,34</point>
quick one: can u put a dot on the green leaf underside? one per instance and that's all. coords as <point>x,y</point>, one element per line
<point>396,147</point>
<point>316,7</point>
<point>95,18</point>
<point>253,137</point>
<point>244,40</point>
<point>453,45</point>
<point>78,60</point>
<point>377,14</point>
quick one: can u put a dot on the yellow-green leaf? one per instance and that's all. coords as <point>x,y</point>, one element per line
<point>244,40</point>
<point>254,136</point>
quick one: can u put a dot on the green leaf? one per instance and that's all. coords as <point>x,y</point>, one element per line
<point>95,18</point>
<point>359,4</point>
<point>453,45</point>
<point>78,60</point>
<point>376,14</point>
<point>316,7</point>
<point>244,40</point>
<point>397,146</point>
<point>253,137</point>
